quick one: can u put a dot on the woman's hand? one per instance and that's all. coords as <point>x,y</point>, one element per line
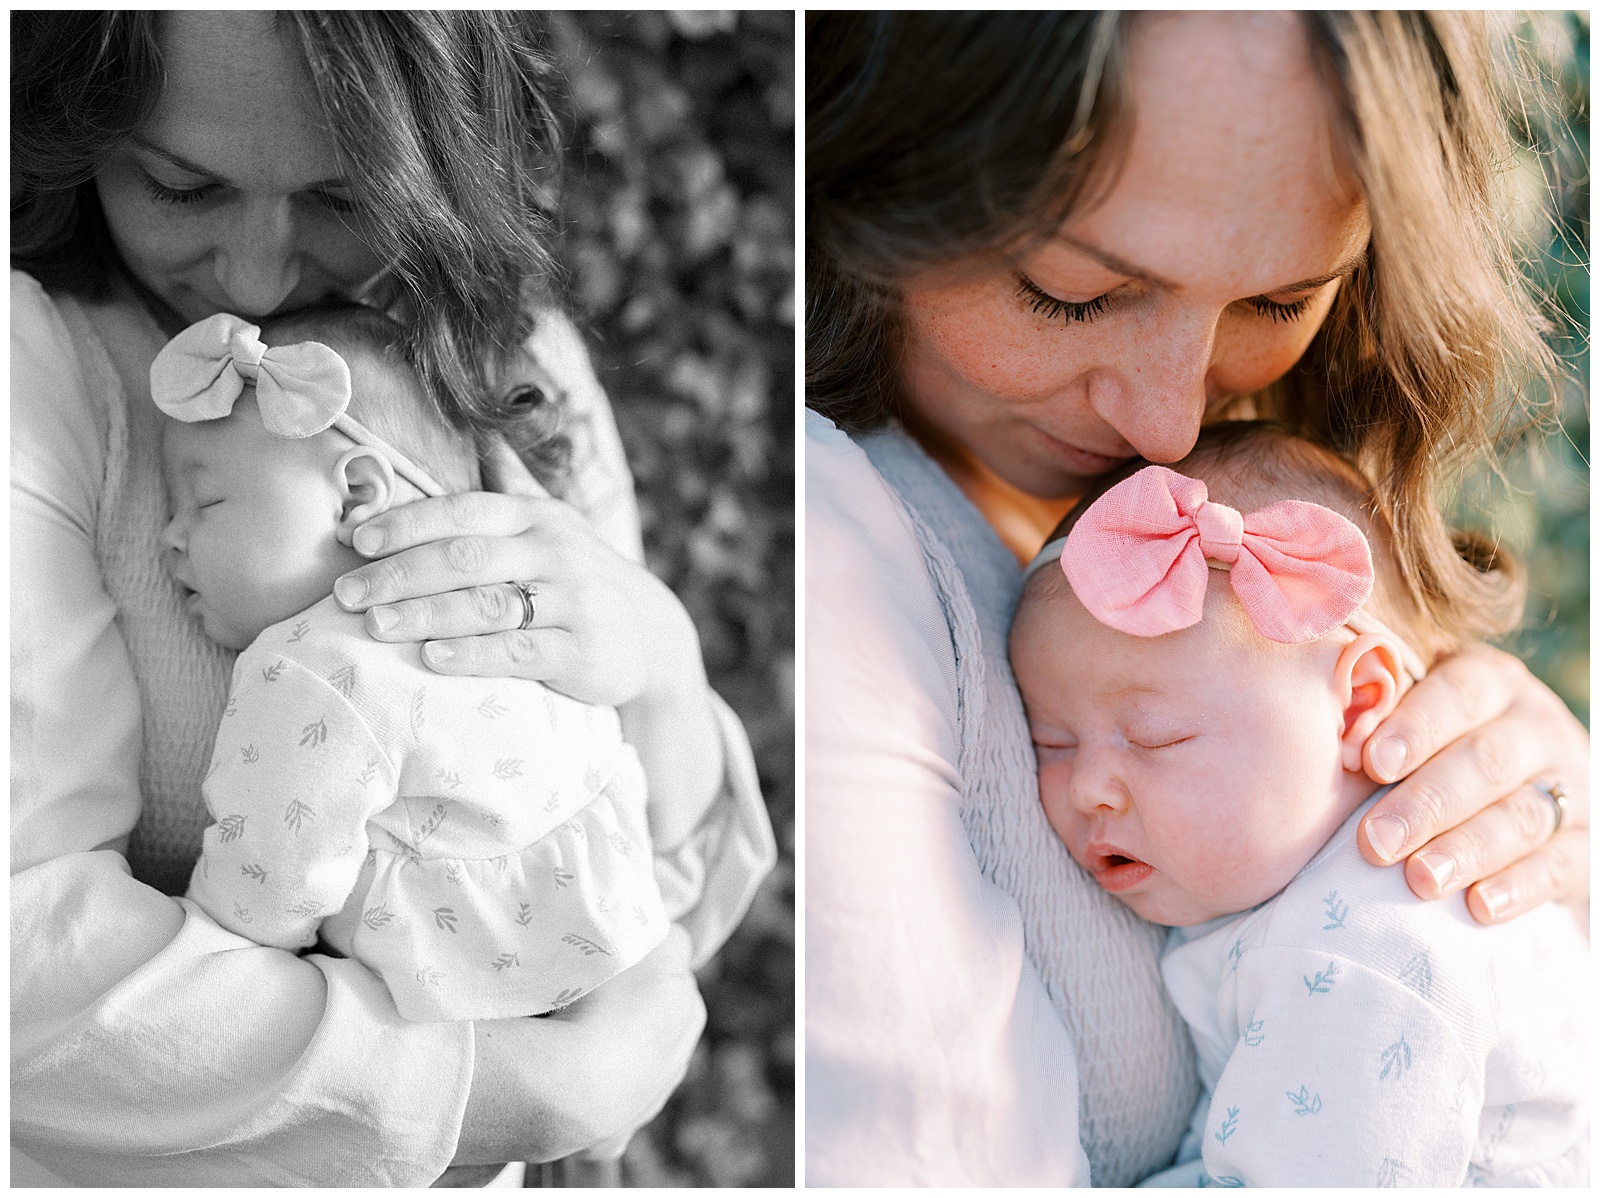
<point>605,629</point>
<point>546,1088</point>
<point>1469,741</point>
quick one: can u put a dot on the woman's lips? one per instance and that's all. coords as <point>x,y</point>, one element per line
<point>1081,460</point>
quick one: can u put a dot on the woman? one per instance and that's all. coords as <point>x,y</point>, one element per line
<point>1038,246</point>
<point>169,166</point>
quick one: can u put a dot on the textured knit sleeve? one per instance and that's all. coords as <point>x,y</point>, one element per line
<point>148,1045</point>
<point>295,776</point>
<point>933,1056</point>
<point>709,881</point>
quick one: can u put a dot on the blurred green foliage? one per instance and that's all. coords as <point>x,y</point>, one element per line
<point>1541,507</point>
<point>679,246</point>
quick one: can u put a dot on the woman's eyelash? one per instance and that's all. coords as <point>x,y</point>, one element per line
<point>194,195</point>
<point>1275,311</point>
<point>1044,304</point>
<point>178,195</point>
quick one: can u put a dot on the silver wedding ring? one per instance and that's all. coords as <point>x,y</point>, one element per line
<point>530,609</point>
<point>1556,792</point>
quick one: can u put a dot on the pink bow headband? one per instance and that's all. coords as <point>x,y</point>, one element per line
<point>1138,560</point>
<point>301,389</point>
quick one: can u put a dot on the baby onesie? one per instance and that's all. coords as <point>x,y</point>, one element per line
<point>1349,1034</point>
<point>479,843</point>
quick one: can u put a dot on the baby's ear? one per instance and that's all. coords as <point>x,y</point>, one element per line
<point>367,488</point>
<point>1370,679</point>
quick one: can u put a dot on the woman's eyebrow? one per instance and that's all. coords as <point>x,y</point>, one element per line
<point>1122,267</point>
<point>194,168</point>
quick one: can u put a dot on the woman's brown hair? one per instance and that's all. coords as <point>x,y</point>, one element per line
<point>447,122</point>
<point>934,136</point>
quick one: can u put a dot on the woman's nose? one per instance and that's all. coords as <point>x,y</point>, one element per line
<point>258,265</point>
<point>1156,401</point>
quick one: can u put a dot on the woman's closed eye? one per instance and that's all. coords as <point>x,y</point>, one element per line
<point>179,196</point>
<point>1042,303</point>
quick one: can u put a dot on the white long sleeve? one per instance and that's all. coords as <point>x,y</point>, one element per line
<point>933,1056</point>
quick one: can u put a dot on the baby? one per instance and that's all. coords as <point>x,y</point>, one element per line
<point>479,843</point>
<point>1199,690</point>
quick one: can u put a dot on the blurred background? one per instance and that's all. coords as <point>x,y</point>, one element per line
<point>1541,506</point>
<point>679,249</point>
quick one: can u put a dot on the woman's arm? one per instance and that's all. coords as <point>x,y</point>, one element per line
<point>933,1056</point>
<point>1467,744</point>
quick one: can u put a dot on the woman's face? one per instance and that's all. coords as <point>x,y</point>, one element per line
<point>231,196</point>
<point>1202,274</point>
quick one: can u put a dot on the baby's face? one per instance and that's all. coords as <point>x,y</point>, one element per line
<point>252,537</point>
<point>1192,774</point>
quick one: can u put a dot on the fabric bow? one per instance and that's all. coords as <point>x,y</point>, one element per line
<point>1137,559</point>
<point>301,389</point>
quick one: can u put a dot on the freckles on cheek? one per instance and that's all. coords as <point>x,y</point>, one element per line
<point>990,346</point>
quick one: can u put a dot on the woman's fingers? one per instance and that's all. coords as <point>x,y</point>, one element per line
<point>1485,844</point>
<point>1449,788</point>
<point>542,654</point>
<point>474,611</point>
<point>1554,869</point>
<point>469,513</point>
<point>438,568</point>
<point>1459,694</point>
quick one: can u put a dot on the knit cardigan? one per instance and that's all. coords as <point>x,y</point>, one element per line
<point>1098,961</point>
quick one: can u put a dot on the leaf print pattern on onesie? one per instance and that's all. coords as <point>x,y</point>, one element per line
<point>300,630</point>
<point>296,813</point>
<point>1323,982</point>
<point>1229,1125</point>
<point>1418,974</point>
<point>508,768</point>
<point>1304,1102</point>
<point>343,680</point>
<point>377,917</point>
<point>1253,1033</point>
<point>1335,911</point>
<point>505,961</point>
<point>415,713</point>
<point>1396,1058</point>
<point>1390,1173</point>
<point>584,945</point>
<point>491,708</point>
<point>230,828</point>
<point>524,914</point>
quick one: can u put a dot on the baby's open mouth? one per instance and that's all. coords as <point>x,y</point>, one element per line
<point>1116,871</point>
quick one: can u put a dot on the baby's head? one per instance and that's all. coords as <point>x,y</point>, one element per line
<point>261,523</point>
<point>1194,772</point>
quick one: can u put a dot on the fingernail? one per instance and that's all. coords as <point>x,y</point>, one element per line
<point>350,590</point>
<point>384,617</point>
<point>1439,866</point>
<point>1387,834</point>
<point>368,539</point>
<point>438,651</point>
<point>1494,901</point>
<point>1389,757</point>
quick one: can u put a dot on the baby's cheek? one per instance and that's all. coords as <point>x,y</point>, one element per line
<point>1064,818</point>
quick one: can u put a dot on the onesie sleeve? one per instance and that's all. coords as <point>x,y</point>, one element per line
<point>295,776</point>
<point>1342,1076</point>
<point>933,1055</point>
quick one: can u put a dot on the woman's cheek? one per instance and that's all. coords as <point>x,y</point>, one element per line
<point>1253,352</point>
